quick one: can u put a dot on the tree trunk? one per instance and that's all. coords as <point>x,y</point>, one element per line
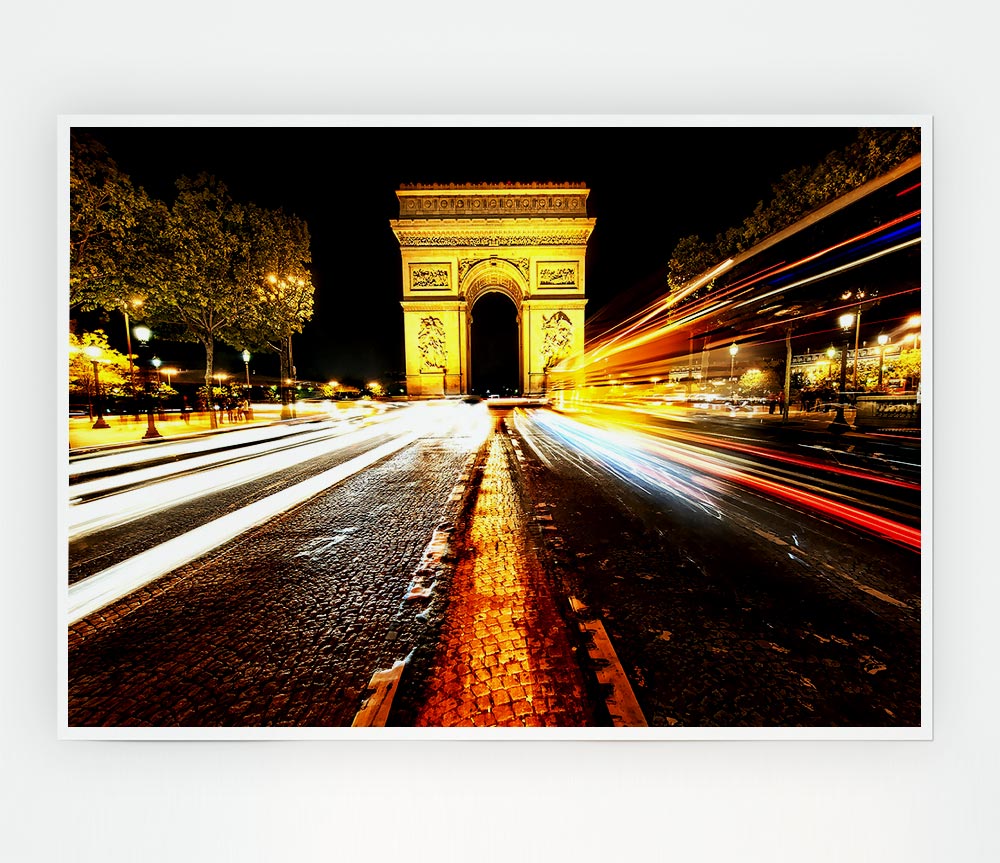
<point>209,365</point>
<point>285,372</point>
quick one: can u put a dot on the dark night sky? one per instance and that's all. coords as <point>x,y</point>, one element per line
<point>649,186</point>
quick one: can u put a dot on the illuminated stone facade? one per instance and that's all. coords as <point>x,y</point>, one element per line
<point>459,242</point>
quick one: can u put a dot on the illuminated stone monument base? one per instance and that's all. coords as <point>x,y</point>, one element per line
<point>528,242</point>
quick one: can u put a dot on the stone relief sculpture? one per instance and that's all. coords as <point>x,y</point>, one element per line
<point>557,338</point>
<point>557,275</point>
<point>429,278</point>
<point>430,342</point>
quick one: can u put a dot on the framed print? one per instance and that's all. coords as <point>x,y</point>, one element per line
<point>495,427</point>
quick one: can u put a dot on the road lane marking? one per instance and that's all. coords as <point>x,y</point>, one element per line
<point>621,701</point>
<point>95,592</point>
<point>374,713</point>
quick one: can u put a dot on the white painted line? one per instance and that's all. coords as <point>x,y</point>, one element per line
<point>384,684</point>
<point>622,705</point>
<point>103,588</point>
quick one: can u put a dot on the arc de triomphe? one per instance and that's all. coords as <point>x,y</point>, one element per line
<point>459,242</point>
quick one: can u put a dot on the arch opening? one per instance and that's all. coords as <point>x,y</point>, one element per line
<point>495,346</point>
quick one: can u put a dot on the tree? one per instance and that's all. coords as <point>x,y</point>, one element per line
<point>114,231</point>
<point>278,299</point>
<point>797,192</point>
<point>207,268</point>
<point>84,350</point>
<point>906,365</point>
<point>758,382</point>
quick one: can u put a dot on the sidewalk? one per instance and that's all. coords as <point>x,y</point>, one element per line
<point>504,658</point>
<point>128,430</point>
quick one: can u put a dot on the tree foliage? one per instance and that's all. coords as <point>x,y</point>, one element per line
<point>278,296</point>
<point>83,351</point>
<point>115,231</point>
<point>758,382</point>
<point>798,192</point>
<point>207,264</point>
<point>205,269</point>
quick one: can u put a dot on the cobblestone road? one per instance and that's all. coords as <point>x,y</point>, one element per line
<point>505,657</point>
<point>282,627</point>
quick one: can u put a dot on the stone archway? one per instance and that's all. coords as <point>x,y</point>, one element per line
<point>459,242</point>
<point>495,350</point>
<point>493,276</point>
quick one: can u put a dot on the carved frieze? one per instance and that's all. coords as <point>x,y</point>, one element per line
<point>427,204</point>
<point>566,238</point>
<point>557,276</point>
<point>429,277</point>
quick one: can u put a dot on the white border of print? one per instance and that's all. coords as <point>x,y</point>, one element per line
<point>922,732</point>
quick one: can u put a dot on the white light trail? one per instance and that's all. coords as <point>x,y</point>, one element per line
<point>162,449</point>
<point>102,588</point>
<point>103,513</point>
<point>470,423</point>
<point>828,273</point>
<point>162,471</point>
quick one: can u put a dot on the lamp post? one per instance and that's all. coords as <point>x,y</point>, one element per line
<point>144,334</point>
<point>883,340</point>
<point>96,355</point>
<point>246,363</point>
<point>840,424</point>
<point>733,350</point>
<point>135,303</point>
<point>157,362</point>
<point>831,352</point>
<point>857,335</point>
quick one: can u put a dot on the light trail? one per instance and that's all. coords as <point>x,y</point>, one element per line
<point>647,326</point>
<point>466,425</point>
<point>132,455</point>
<point>693,477</point>
<point>87,488</point>
<point>116,509</point>
<point>98,590</point>
<point>719,442</point>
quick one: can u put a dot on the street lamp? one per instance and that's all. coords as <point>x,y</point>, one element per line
<point>246,362</point>
<point>144,334</point>
<point>883,340</point>
<point>840,424</point>
<point>157,362</point>
<point>733,350</point>
<point>135,302</point>
<point>96,355</point>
